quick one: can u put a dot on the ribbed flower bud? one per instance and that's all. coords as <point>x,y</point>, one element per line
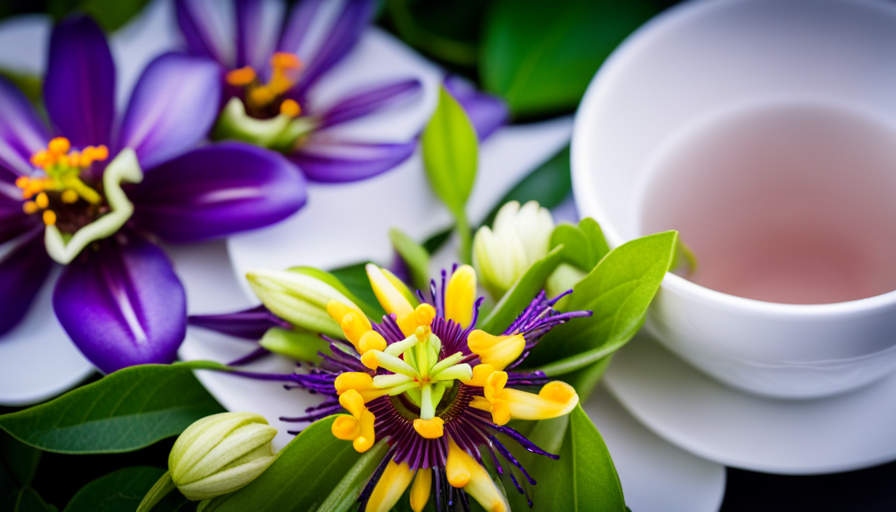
<point>519,238</point>
<point>221,453</point>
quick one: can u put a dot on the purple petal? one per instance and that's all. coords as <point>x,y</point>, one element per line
<point>369,101</point>
<point>486,112</point>
<point>22,273</point>
<point>218,190</point>
<point>250,324</point>
<point>122,304</point>
<point>258,23</point>
<point>173,107</point>
<point>13,221</point>
<point>196,19</point>
<point>341,161</point>
<point>79,89</point>
<point>320,38</point>
<point>21,132</point>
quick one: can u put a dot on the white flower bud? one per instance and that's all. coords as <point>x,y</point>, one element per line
<point>299,298</point>
<point>221,453</point>
<point>519,238</point>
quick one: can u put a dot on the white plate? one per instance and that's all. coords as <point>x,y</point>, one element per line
<point>733,428</point>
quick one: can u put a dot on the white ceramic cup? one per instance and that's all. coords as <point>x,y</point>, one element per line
<point>697,61</point>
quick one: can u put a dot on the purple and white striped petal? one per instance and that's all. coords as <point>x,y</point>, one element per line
<point>122,304</point>
<point>369,101</point>
<point>79,89</point>
<point>331,161</point>
<point>486,112</point>
<point>173,107</point>
<point>250,324</point>
<point>21,132</point>
<point>216,191</point>
<point>322,32</point>
<point>201,26</point>
<point>22,272</point>
<point>258,25</point>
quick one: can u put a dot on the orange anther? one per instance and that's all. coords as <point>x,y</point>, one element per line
<point>59,145</point>
<point>49,217</point>
<point>290,107</point>
<point>285,60</point>
<point>241,77</point>
<point>22,181</point>
<point>29,207</point>
<point>42,200</point>
<point>261,96</point>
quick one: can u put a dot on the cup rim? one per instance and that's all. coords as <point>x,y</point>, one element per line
<point>588,205</point>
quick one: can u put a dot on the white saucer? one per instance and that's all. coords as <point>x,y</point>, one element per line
<point>689,409</point>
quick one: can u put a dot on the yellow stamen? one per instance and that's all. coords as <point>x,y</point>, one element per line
<point>290,108</point>
<point>421,489</point>
<point>358,427</point>
<point>284,60</point>
<point>354,326</point>
<point>360,382</point>
<point>481,373</point>
<point>371,340</point>
<point>22,182</point>
<point>29,207</point>
<point>49,218</point>
<point>392,300</point>
<point>498,351</point>
<point>555,399</point>
<point>424,313</point>
<point>464,471</point>
<point>346,428</point>
<point>337,311</point>
<point>432,428</point>
<point>69,196</point>
<point>42,200</point>
<point>460,296</point>
<point>422,332</point>
<point>261,96</point>
<point>59,145</point>
<point>241,77</point>
<point>369,360</point>
<point>458,467</point>
<point>395,479</point>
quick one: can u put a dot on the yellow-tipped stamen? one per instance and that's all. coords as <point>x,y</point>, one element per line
<point>337,311</point>
<point>391,486</point>
<point>69,196</point>
<point>421,489</point>
<point>481,373</point>
<point>42,200</point>
<point>432,428</point>
<point>464,471</point>
<point>424,314</point>
<point>285,60</point>
<point>290,107</point>
<point>458,467</point>
<point>371,340</point>
<point>59,145</point>
<point>22,181</point>
<point>29,207</point>
<point>392,300</point>
<point>49,218</point>
<point>360,382</point>
<point>358,427</point>
<point>241,77</point>
<point>498,351</point>
<point>555,399</point>
<point>460,296</point>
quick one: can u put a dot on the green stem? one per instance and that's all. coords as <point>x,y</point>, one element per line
<point>466,239</point>
<point>158,491</point>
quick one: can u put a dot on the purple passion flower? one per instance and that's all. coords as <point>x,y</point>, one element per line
<point>91,197</point>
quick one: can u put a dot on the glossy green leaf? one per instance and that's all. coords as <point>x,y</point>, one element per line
<point>354,277</point>
<point>450,157</point>
<point>30,501</point>
<point>585,244</point>
<point>124,411</point>
<point>521,293</point>
<point>300,479</point>
<point>617,291</point>
<point>582,479</point>
<point>362,299</point>
<point>112,14</point>
<point>298,345</point>
<point>540,56</point>
<point>19,459</point>
<point>346,493</point>
<point>549,184</point>
<point>414,255</point>
<point>123,490</point>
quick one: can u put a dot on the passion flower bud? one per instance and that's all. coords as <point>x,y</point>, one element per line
<point>221,453</point>
<point>519,238</point>
<point>300,298</point>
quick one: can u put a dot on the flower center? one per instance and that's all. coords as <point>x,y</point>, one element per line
<point>61,195</point>
<point>265,100</point>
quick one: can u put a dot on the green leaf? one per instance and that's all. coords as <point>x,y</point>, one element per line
<point>585,244</point>
<point>549,184</point>
<point>300,479</point>
<point>30,501</point>
<point>522,292</point>
<point>445,30</point>
<point>582,479</point>
<point>18,458</point>
<point>414,255</point>
<point>617,292</point>
<point>450,158</point>
<point>123,490</point>
<point>540,56</point>
<point>298,345</point>
<point>346,493</point>
<point>124,411</point>
<point>354,277</point>
<point>112,14</point>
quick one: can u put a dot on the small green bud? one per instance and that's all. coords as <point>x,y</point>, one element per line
<point>300,299</point>
<point>221,453</point>
<point>519,238</point>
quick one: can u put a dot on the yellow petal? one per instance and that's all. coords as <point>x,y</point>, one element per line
<point>392,300</point>
<point>355,326</point>
<point>432,428</point>
<point>371,340</point>
<point>360,382</point>
<point>353,403</point>
<point>483,489</point>
<point>367,435</point>
<point>346,427</point>
<point>421,489</point>
<point>494,385</point>
<point>459,466</point>
<point>498,351</point>
<point>460,295</point>
<point>481,373</point>
<point>555,399</point>
<point>337,311</point>
<point>388,490</point>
